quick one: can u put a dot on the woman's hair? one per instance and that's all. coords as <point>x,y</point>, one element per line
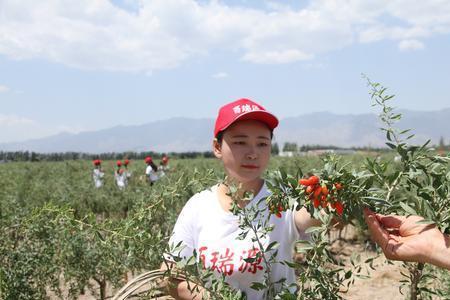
<point>219,136</point>
<point>154,167</point>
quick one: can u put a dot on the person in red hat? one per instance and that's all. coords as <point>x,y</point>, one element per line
<point>151,171</point>
<point>163,166</point>
<point>127,172</point>
<point>98,173</point>
<point>120,176</point>
<point>242,142</point>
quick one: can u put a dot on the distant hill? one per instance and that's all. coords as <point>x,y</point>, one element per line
<point>187,134</point>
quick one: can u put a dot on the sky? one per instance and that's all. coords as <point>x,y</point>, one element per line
<point>73,66</point>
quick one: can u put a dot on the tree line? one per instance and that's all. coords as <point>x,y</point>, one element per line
<point>63,156</point>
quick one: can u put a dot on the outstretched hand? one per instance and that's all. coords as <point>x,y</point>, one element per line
<point>402,238</point>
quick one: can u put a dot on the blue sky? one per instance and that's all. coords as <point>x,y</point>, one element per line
<point>92,64</point>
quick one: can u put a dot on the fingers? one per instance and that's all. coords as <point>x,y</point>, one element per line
<point>391,221</point>
<point>378,234</point>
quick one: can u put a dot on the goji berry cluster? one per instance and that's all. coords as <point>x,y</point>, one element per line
<point>276,210</point>
<point>322,195</point>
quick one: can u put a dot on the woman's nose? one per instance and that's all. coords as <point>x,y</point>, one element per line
<point>251,154</point>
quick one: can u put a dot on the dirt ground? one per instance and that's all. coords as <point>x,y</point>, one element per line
<point>384,281</point>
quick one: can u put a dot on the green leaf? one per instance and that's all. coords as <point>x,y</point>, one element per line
<point>388,135</point>
<point>426,222</point>
<point>313,229</point>
<point>408,208</point>
<point>257,286</point>
<point>390,145</point>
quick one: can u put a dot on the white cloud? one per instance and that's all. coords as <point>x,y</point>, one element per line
<point>3,88</point>
<point>276,57</point>
<point>407,45</point>
<point>162,34</point>
<point>13,120</point>
<point>220,75</point>
<point>19,128</point>
<point>71,129</point>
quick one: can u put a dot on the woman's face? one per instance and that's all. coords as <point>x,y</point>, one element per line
<point>245,150</point>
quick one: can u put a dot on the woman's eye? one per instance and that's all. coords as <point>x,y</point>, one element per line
<point>263,144</point>
<point>239,143</point>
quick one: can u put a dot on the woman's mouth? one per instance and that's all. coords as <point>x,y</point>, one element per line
<point>250,166</point>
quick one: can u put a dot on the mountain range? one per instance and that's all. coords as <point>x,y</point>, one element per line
<point>188,134</point>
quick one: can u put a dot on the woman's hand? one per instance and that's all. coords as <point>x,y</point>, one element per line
<point>402,238</point>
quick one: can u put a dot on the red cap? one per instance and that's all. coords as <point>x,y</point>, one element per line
<point>118,163</point>
<point>97,162</point>
<point>148,159</point>
<point>126,162</point>
<point>243,109</point>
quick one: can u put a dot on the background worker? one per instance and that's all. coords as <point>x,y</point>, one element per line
<point>120,176</point>
<point>151,171</point>
<point>97,174</point>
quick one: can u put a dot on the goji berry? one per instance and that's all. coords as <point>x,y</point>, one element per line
<point>324,190</point>
<point>317,191</point>
<point>339,208</point>
<point>313,180</point>
<point>304,181</point>
<point>316,202</point>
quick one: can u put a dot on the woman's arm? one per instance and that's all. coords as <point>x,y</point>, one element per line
<point>303,220</point>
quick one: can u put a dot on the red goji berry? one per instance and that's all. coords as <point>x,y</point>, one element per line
<point>324,190</point>
<point>317,191</point>
<point>339,208</point>
<point>313,180</point>
<point>338,186</point>
<point>304,181</point>
<point>316,202</point>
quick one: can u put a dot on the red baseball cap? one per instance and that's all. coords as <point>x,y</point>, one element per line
<point>126,162</point>
<point>243,109</point>
<point>148,159</point>
<point>118,163</point>
<point>97,162</point>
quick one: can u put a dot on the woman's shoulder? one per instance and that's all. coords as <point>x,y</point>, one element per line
<point>203,197</point>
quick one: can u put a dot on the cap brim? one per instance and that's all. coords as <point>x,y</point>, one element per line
<point>260,115</point>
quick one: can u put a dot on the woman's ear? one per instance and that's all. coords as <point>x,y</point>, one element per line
<point>217,148</point>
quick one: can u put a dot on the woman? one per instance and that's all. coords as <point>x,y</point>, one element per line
<point>97,174</point>
<point>242,141</point>
<point>120,176</point>
<point>151,171</point>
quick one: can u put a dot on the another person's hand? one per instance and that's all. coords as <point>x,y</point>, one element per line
<point>402,238</point>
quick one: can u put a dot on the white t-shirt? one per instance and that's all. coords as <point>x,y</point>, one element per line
<point>205,226</point>
<point>97,175</point>
<point>121,180</point>
<point>152,175</point>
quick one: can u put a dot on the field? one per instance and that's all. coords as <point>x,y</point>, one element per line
<point>63,238</point>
